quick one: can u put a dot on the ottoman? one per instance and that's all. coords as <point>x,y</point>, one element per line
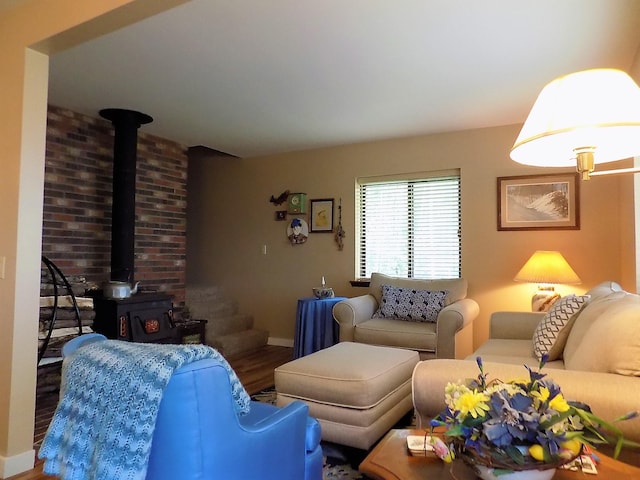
<point>358,392</point>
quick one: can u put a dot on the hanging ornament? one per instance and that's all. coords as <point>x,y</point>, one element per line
<point>340,234</point>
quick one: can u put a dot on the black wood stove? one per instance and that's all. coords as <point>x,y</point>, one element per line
<point>143,317</point>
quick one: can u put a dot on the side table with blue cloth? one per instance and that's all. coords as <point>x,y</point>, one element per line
<point>315,327</point>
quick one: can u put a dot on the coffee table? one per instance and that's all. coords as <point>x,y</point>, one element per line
<point>390,460</point>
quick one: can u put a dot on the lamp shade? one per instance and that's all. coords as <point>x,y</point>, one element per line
<point>547,267</point>
<point>595,109</point>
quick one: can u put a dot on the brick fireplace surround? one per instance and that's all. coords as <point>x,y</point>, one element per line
<point>77,203</point>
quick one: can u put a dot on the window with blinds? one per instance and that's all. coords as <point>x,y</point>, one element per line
<point>409,228</point>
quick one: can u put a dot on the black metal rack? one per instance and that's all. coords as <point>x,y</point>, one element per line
<point>58,278</point>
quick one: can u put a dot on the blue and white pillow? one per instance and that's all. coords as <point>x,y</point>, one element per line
<point>411,305</point>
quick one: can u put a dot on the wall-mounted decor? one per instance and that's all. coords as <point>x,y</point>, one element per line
<point>539,202</point>
<point>322,215</point>
<point>297,231</point>
<point>281,215</point>
<point>297,203</point>
<point>340,233</point>
<point>280,199</point>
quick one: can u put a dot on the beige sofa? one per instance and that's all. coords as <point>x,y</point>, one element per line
<point>597,349</point>
<point>447,334</point>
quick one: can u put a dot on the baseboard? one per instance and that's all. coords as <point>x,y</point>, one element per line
<point>10,466</point>
<point>280,342</point>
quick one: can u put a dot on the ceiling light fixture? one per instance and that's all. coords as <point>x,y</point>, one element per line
<point>583,119</point>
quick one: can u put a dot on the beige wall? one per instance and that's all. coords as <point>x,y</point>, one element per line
<point>238,219</point>
<point>28,32</point>
<point>231,218</point>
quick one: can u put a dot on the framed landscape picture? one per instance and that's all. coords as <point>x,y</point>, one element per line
<point>539,202</point>
<point>321,215</point>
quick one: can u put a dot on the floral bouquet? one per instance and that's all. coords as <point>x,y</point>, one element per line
<point>519,424</point>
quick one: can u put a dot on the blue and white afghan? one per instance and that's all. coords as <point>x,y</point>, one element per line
<point>109,399</point>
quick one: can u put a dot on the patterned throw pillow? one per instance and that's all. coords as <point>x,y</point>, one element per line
<point>411,305</point>
<point>551,333</point>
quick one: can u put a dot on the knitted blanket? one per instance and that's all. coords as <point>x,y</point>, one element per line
<point>109,399</point>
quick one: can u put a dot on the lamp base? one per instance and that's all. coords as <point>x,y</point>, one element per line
<point>543,300</point>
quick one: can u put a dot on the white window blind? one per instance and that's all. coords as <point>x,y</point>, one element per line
<point>409,228</point>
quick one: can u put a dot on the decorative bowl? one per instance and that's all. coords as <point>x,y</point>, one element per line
<point>486,473</point>
<point>323,292</point>
<point>530,470</point>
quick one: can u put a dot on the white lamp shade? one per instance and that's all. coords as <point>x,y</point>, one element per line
<point>597,108</point>
<point>547,267</point>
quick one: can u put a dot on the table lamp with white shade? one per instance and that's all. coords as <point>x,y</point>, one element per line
<point>546,268</point>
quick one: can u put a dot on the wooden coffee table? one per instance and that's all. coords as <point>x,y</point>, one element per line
<point>390,460</point>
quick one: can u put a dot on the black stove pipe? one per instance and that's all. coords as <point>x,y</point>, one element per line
<point>123,210</point>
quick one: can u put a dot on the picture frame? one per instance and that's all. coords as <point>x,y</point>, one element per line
<point>297,203</point>
<point>321,215</point>
<point>539,202</point>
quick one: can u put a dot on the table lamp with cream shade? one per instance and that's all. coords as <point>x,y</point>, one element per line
<point>583,119</point>
<point>546,268</point>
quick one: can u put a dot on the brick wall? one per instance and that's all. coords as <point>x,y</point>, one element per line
<point>77,203</point>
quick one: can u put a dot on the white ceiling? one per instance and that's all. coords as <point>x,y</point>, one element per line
<point>256,77</point>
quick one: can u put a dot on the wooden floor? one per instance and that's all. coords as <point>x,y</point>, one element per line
<point>255,371</point>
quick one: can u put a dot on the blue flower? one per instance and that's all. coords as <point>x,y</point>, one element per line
<point>535,376</point>
<point>482,377</point>
<point>551,440</point>
<point>497,432</point>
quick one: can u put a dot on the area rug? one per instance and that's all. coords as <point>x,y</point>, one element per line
<point>340,462</point>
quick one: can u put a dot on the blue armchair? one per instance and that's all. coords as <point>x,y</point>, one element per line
<point>199,435</point>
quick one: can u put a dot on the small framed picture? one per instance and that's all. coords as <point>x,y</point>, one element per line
<point>539,202</point>
<point>321,215</point>
<point>297,203</point>
<point>281,215</point>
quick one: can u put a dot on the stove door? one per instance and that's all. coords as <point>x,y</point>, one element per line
<point>150,326</point>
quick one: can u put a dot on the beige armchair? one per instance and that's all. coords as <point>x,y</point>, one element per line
<point>448,333</point>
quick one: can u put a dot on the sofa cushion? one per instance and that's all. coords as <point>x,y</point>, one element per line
<point>419,336</point>
<point>456,287</point>
<point>502,347</point>
<point>603,289</point>
<point>589,314</point>
<point>411,305</point>
<point>512,351</point>
<point>611,344</point>
<point>550,336</point>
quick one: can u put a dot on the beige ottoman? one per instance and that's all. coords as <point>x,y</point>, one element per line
<point>358,392</point>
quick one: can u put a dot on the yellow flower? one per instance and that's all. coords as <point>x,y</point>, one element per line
<point>537,452</point>
<point>559,404</point>
<point>452,392</point>
<point>542,395</point>
<point>472,402</point>
<point>574,446</point>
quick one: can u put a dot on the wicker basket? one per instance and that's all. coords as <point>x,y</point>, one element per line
<point>499,459</point>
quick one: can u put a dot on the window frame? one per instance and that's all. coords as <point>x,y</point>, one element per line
<point>410,180</point>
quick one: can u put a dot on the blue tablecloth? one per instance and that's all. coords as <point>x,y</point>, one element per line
<point>315,327</point>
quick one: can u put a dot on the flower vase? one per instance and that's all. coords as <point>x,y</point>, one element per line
<point>486,473</point>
